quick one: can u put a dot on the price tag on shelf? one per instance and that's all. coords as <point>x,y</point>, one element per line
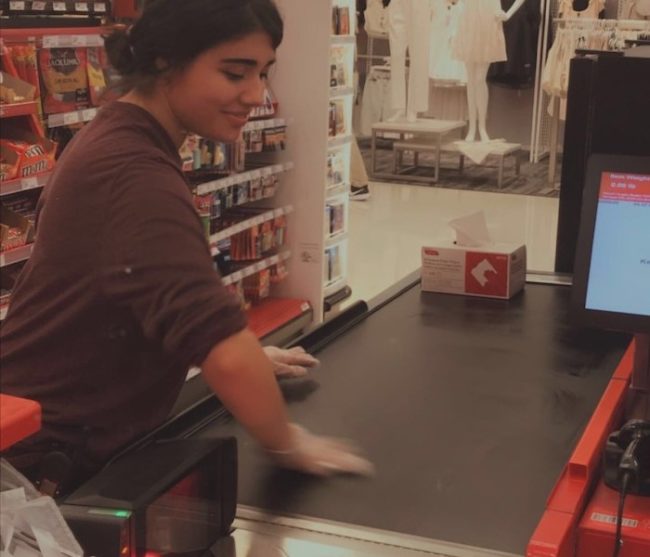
<point>99,7</point>
<point>38,6</point>
<point>257,221</point>
<point>70,118</point>
<point>59,7</point>
<point>88,114</point>
<point>29,183</point>
<point>81,6</point>
<point>17,6</point>
<point>255,174</point>
<point>236,277</point>
<point>274,260</point>
<point>267,171</point>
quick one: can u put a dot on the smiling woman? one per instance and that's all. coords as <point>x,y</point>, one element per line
<point>199,65</point>
<point>120,297</point>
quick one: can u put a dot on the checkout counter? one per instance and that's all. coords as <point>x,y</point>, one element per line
<point>485,420</point>
<point>469,408</point>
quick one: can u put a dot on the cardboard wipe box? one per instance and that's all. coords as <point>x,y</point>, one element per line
<point>474,265</point>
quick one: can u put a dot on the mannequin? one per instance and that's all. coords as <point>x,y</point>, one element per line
<point>409,27</point>
<point>479,42</point>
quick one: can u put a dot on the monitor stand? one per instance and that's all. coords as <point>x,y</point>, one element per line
<point>638,401</point>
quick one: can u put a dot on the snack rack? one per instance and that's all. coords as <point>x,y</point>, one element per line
<point>292,165</point>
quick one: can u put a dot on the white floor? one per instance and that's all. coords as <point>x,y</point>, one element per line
<point>387,231</point>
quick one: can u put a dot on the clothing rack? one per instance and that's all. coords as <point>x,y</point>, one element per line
<point>586,24</point>
<point>604,24</point>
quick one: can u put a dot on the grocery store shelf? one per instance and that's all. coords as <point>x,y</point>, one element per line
<point>18,109</point>
<point>343,39</point>
<point>336,92</point>
<point>57,7</point>
<point>72,40</point>
<point>15,255</point>
<point>274,314</point>
<point>70,118</point>
<point>335,239</point>
<point>242,177</point>
<point>334,286</point>
<point>334,142</point>
<point>337,189</point>
<point>265,124</point>
<point>256,267</point>
<point>22,184</point>
<point>249,223</point>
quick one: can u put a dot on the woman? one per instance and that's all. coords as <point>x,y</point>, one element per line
<point>120,297</point>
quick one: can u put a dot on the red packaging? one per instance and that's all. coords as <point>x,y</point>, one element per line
<point>65,79</point>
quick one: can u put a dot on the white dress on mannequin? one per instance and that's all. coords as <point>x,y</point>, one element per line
<point>443,67</point>
<point>480,37</point>
<point>409,27</point>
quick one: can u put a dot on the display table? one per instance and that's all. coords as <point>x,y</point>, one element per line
<point>428,132</point>
<point>469,408</point>
<point>498,150</point>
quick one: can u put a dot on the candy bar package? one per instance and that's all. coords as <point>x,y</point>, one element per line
<point>65,79</point>
<point>96,77</point>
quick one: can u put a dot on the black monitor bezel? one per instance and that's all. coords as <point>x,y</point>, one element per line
<point>596,166</point>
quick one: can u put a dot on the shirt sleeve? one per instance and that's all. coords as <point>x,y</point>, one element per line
<point>157,264</point>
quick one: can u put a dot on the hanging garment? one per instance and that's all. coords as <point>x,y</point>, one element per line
<point>480,37</point>
<point>447,103</point>
<point>521,33</point>
<point>592,11</point>
<point>443,67</point>
<point>375,18</point>
<point>375,102</point>
<point>636,9</point>
<point>409,27</point>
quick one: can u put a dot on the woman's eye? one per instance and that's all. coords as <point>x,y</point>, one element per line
<point>233,76</point>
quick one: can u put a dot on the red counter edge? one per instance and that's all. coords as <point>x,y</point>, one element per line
<point>556,533</point>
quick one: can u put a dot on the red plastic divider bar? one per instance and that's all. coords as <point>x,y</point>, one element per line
<point>19,418</point>
<point>556,532</point>
<point>273,313</point>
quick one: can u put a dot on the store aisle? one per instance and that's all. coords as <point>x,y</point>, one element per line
<point>387,232</point>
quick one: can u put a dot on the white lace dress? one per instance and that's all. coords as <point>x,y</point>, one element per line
<point>480,37</point>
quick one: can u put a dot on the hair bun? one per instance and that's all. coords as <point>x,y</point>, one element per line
<point>120,53</point>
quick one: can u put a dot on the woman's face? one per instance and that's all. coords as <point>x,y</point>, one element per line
<point>214,95</point>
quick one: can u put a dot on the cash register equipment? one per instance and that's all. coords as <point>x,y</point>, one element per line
<point>611,289</point>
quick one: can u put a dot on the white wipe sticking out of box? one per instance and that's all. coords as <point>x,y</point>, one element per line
<point>474,265</point>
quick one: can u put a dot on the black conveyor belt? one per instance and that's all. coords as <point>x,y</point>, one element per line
<point>468,407</point>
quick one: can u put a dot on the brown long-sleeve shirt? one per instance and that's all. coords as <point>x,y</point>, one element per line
<point>120,296</point>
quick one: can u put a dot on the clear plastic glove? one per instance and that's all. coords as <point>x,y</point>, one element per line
<point>321,456</point>
<point>290,363</point>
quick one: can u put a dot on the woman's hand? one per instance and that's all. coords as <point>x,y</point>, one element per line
<point>321,456</point>
<point>290,363</point>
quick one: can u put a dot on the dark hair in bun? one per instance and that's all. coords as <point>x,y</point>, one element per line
<point>177,31</point>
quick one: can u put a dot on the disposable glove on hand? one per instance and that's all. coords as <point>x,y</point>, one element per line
<point>321,456</point>
<point>290,363</point>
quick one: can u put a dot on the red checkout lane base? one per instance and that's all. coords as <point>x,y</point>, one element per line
<point>274,313</point>
<point>596,533</point>
<point>567,528</point>
<point>19,418</point>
